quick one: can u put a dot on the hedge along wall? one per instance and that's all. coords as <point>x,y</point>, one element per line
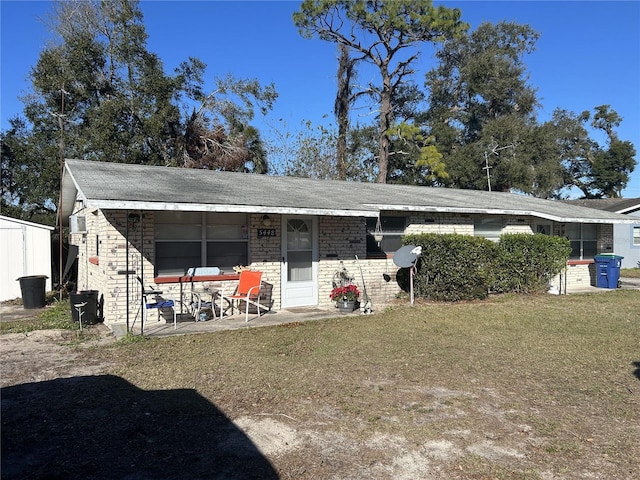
<point>452,267</point>
<point>461,267</point>
<point>527,263</point>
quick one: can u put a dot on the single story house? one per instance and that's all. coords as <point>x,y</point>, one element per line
<point>26,251</point>
<point>626,237</point>
<point>153,222</point>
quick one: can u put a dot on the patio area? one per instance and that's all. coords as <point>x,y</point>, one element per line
<point>161,328</point>
<point>155,328</point>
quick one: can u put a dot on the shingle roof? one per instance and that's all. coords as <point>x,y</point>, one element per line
<point>126,186</point>
<point>617,205</point>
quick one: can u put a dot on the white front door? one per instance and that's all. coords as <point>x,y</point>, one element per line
<point>299,261</point>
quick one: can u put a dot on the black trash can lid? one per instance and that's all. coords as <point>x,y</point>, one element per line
<point>31,276</point>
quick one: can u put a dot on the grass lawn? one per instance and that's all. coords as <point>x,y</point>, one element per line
<point>630,272</point>
<point>513,387</point>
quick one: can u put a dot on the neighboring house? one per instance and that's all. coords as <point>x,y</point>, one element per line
<point>25,250</point>
<point>626,236</point>
<point>156,222</point>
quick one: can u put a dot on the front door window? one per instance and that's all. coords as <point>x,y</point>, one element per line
<point>299,250</point>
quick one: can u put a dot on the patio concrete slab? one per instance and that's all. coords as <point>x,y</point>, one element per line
<point>236,322</point>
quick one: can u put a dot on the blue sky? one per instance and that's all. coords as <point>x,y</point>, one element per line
<point>588,53</point>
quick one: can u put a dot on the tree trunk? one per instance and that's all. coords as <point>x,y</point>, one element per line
<point>386,116</point>
<point>343,98</point>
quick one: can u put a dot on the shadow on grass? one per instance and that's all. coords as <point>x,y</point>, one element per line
<point>103,427</point>
<point>637,370</point>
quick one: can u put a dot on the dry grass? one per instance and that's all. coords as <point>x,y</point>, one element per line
<point>552,380</point>
<point>630,272</point>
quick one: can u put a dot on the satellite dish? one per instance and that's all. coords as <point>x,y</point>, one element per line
<point>406,256</point>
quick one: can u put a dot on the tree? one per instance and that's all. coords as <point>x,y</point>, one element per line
<point>481,109</point>
<point>482,116</point>
<point>98,94</point>
<point>426,166</point>
<point>346,72</point>
<point>119,102</point>
<point>385,34</point>
<point>597,171</point>
<point>218,134</point>
<point>30,173</point>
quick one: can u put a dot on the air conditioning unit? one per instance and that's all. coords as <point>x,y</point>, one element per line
<point>78,223</point>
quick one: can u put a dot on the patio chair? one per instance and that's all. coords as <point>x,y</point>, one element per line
<point>247,291</point>
<point>159,303</point>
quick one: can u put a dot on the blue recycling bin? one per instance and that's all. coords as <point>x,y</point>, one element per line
<point>608,270</point>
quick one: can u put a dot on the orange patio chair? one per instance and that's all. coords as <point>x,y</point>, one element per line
<point>247,291</point>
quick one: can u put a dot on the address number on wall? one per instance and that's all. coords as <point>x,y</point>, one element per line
<point>266,232</point>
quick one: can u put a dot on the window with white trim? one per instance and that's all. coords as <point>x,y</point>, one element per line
<point>200,239</point>
<point>636,236</point>
<point>583,238</point>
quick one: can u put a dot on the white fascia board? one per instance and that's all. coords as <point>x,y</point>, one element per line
<point>632,209</point>
<point>228,208</point>
<point>496,211</point>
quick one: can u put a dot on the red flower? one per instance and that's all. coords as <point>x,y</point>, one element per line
<point>349,293</point>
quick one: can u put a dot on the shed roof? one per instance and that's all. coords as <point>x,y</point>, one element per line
<point>4,220</point>
<point>141,187</point>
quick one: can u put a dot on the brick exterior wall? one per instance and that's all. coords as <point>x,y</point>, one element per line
<point>341,239</point>
<point>103,254</point>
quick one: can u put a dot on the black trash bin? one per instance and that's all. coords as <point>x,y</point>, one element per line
<point>33,290</point>
<point>89,311</point>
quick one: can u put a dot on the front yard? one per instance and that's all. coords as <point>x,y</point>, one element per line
<point>514,387</point>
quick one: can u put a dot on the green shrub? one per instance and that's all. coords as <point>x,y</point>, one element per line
<point>461,267</point>
<point>452,267</point>
<point>526,263</point>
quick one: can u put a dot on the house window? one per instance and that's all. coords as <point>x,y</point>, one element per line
<point>636,236</point>
<point>583,238</point>
<point>390,230</point>
<point>200,239</point>
<point>489,228</point>
<point>544,228</point>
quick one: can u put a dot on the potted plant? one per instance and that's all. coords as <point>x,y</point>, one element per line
<point>345,297</point>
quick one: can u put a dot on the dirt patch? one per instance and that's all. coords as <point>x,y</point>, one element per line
<point>48,354</point>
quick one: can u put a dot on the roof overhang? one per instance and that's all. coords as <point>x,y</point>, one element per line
<point>220,208</point>
<point>498,211</point>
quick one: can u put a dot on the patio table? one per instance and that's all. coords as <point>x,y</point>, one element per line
<point>191,279</point>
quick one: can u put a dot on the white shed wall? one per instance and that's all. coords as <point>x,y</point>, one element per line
<point>25,249</point>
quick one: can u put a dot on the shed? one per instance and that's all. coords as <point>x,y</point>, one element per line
<point>26,250</point>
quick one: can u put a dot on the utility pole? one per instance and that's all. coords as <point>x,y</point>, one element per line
<point>493,149</point>
<point>60,117</point>
<point>487,167</point>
